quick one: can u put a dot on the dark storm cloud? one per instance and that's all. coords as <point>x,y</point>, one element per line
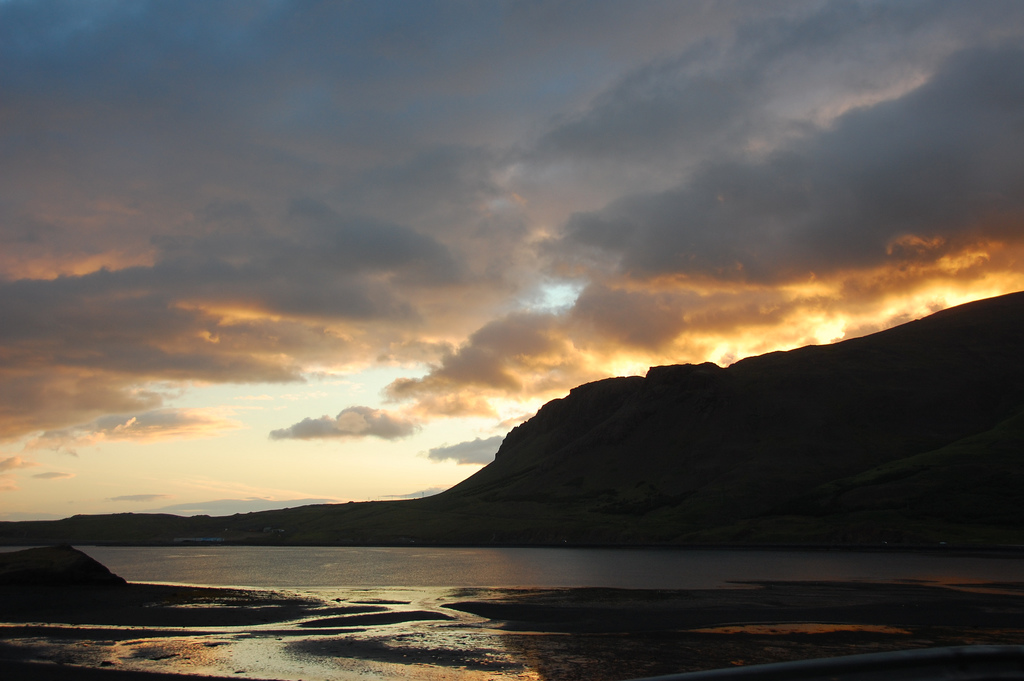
<point>714,98</point>
<point>250,191</point>
<point>941,163</point>
<point>362,244</point>
<point>656,110</point>
<point>370,78</point>
<point>477,451</point>
<point>315,263</point>
<point>441,182</point>
<point>353,422</point>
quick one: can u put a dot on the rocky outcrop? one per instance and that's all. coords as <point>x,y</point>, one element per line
<point>54,565</point>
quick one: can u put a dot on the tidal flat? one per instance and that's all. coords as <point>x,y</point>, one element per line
<point>425,633</point>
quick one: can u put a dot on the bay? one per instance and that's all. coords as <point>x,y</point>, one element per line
<point>295,567</point>
<point>421,633</point>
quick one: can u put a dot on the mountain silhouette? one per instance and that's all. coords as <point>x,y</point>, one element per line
<point>694,447</point>
<point>913,434</point>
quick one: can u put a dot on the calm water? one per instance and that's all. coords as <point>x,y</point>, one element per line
<point>429,579</point>
<point>293,567</point>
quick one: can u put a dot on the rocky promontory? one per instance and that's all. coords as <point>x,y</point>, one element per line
<point>56,565</point>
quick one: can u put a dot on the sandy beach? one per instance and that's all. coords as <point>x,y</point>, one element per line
<point>141,630</point>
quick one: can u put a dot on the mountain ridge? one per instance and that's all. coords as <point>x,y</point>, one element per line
<point>841,407</point>
<point>784,447</point>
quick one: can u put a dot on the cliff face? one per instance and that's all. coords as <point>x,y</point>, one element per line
<point>722,444</point>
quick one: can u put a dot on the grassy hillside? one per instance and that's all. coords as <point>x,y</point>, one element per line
<point>915,434</point>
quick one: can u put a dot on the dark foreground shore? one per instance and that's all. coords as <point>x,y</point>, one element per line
<point>135,632</point>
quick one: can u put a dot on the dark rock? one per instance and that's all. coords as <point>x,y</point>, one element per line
<point>56,565</point>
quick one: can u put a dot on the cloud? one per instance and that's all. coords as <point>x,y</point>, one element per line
<point>151,426</point>
<point>906,181</point>
<point>678,101</point>
<point>198,195</point>
<point>477,451</point>
<point>53,475</point>
<point>351,422</point>
<point>8,483</point>
<point>518,355</point>
<point>141,498</point>
<point>636,319</point>
<point>14,462</point>
<point>223,307</point>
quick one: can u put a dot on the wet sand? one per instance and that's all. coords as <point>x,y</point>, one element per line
<point>135,632</point>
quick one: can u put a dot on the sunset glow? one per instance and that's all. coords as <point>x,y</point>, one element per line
<point>281,253</point>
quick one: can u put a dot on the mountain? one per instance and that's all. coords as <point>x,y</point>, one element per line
<point>690,449</point>
<point>914,434</point>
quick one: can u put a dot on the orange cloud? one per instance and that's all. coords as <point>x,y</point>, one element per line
<point>150,426</point>
<point>352,422</point>
<point>518,357</point>
<point>624,327</point>
<point>8,482</point>
<point>713,199</point>
<point>15,462</point>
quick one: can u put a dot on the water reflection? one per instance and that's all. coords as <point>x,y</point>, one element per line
<point>535,567</point>
<point>394,613</point>
<point>472,634</point>
<point>418,639</point>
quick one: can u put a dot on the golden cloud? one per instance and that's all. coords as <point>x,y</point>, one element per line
<point>15,462</point>
<point>625,327</point>
<point>158,425</point>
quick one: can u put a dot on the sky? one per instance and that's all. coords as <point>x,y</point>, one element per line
<point>267,253</point>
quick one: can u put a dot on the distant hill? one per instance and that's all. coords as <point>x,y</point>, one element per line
<point>914,434</point>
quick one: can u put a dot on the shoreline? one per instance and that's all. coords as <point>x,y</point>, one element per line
<point>41,671</point>
<point>558,634</point>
